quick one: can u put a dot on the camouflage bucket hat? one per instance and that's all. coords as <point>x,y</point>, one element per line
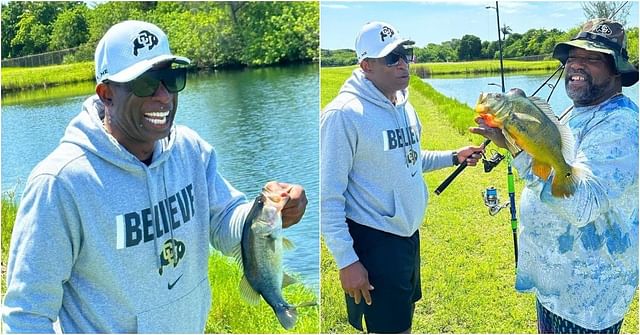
<point>604,36</point>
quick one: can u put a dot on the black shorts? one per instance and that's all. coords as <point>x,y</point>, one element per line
<point>393,264</point>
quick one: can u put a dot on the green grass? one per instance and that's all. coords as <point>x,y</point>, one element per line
<point>482,66</point>
<point>9,210</point>
<point>39,95</point>
<point>467,261</point>
<point>229,313</point>
<point>424,70</point>
<point>21,78</point>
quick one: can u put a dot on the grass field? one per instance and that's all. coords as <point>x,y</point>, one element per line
<point>482,66</point>
<point>19,78</point>
<point>229,313</point>
<point>467,256</point>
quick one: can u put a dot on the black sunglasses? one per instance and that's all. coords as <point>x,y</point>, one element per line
<point>393,58</point>
<point>174,80</point>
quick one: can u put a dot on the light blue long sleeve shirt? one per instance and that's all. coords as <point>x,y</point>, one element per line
<point>580,254</point>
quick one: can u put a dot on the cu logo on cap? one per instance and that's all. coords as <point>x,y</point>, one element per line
<point>603,29</point>
<point>144,39</point>
<point>386,32</point>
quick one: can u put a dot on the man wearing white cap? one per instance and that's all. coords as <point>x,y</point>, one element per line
<point>373,196</point>
<point>579,255</point>
<point>114,227</point>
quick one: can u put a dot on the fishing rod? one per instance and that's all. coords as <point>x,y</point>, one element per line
<point>510,182</point>
<point>463,165</point>
<point>617,10</point>
<point>491,195</point>
<point>553,87</point>
<point>458,170</point>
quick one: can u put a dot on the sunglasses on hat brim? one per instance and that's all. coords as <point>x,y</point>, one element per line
<point>174,80</point>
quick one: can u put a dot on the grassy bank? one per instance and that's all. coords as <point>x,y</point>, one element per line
<point>467,256</point>
<point>229,313</point>
<point>18,78</point>
<point>22,78</point>
<point>424,70</point>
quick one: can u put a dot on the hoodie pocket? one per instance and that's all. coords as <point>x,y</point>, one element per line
<point>406,216</point>
<point>187,314</point>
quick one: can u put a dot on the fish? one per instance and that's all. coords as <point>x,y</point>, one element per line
<point>530,124</point>
<point>260,256</point>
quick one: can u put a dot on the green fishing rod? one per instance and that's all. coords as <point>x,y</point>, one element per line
<point>512,207</point>
<point>510,182</point>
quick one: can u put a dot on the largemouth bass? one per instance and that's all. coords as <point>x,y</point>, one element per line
<point>530,124</point>
<point>261,252</point>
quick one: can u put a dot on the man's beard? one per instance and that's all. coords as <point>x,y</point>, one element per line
<point>585,95</point>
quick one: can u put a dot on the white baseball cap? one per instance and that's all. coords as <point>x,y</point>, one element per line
<point>378,39</point>
<point>130,48</point>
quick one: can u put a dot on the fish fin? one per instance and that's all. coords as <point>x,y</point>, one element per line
<point>511,143</point>
<point>236,253</point>
<point>566,136</point>
<point>287,244</point>
<point>307,304</point>
<point>540,169</point>
<point>544,106</point>
<point>248,293</point>
<point>526,117</point>
<point>565,186</point>
<point>287,280</point>
<point>568,143</point>
<point>287,317</point>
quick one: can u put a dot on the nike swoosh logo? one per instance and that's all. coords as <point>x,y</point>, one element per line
<point>171,285</point>
<point>414,173</point>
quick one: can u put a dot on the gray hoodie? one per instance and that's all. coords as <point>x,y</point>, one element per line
<point>104,243</point>
<point>371,165</point>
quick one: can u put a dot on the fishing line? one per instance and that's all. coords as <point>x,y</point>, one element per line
<point>617,10</point>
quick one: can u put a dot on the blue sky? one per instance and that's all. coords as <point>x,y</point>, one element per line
<point>438,21</point>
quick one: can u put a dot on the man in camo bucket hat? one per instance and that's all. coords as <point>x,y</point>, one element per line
<point>579,255</point>
<point>604,36</point>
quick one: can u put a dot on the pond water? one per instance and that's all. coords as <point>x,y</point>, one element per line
<point>263,124</point>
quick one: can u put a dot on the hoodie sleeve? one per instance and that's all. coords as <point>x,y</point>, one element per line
<point>434,160</point>
<point>44,246</point>
<point>228,208</point>
<point>338,141</point>
<point>608,170</point>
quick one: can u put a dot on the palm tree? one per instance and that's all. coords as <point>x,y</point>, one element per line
<point>506,30</point>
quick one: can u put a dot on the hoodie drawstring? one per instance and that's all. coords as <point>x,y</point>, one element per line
<point>166,199</point>
<point>156,255</point>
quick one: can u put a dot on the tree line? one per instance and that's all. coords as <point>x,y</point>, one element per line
<point>535,42</point>
<point>211,34</point>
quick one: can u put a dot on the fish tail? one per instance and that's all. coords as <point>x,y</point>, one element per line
<point>287,317</point>
<point>565,184</point>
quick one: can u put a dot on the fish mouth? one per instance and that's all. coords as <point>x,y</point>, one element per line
<point>481,106</point>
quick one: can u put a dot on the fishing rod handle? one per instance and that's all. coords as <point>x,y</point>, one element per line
<point>455,173</point>
<point>451,177</point>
